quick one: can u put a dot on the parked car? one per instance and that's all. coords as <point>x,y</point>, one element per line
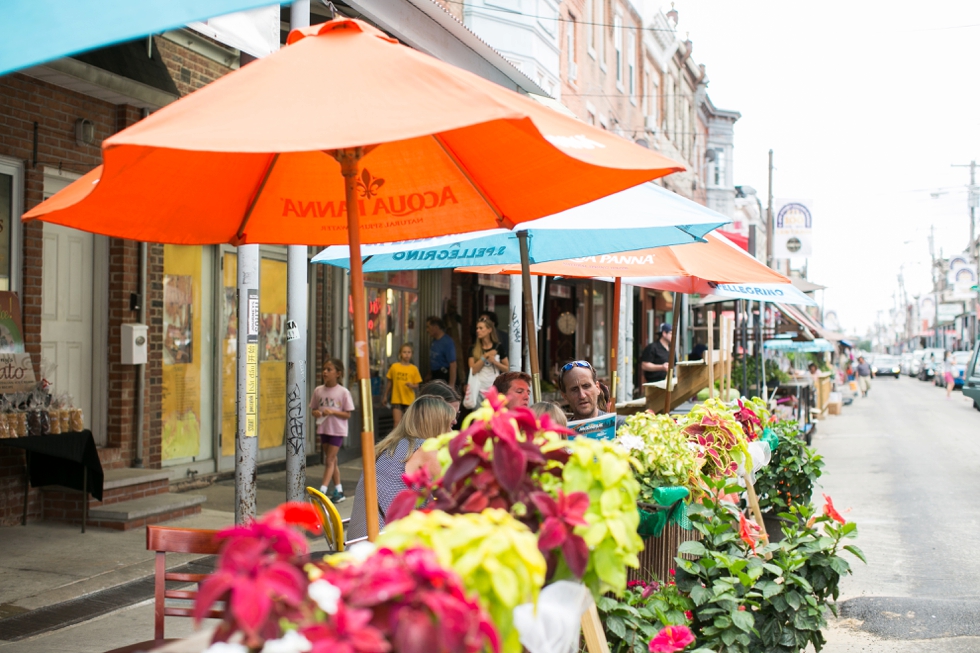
<point>960,361</point>
<point>886,365</point>
<point>932,360</point>
<point>906,363</point>
<point>915,364</point>
<point>971,380</point>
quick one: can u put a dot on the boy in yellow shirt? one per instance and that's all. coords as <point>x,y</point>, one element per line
<point>403,381</point>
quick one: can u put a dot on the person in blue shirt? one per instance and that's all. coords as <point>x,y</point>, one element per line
<point>442,352</point>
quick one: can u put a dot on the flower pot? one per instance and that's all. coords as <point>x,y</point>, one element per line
<point>774,526</point>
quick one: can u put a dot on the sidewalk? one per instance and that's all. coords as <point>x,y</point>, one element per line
<point>48,566</point>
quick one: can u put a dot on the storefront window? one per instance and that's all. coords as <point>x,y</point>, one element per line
<point>186,356</point>
<point>272,353</point>
<point>6,223</point>
<point>392,321</point>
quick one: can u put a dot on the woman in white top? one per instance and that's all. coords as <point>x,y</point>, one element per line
<point>485,362</point>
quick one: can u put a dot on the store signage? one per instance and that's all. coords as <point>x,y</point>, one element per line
<point>948,312</point>
<point>792,230</point>
<point>16,373</point>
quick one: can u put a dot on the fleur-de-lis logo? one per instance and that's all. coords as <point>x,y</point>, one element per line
<point>368,186</point>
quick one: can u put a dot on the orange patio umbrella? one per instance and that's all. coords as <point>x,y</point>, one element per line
<point>691,268</point>
<point>344,137</point>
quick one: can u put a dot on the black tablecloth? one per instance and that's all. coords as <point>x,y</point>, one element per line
<point>62,459</point>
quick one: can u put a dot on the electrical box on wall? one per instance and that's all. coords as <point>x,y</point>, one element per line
<point>134,344</point>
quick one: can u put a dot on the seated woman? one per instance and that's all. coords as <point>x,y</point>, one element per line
<point>399,453</point>
<point>578,383</point>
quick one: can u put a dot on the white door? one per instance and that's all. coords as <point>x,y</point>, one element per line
<point>66,314</point>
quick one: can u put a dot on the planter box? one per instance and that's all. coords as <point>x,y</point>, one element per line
<point>657,557</point>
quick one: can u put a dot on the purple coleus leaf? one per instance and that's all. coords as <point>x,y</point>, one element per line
<point>509,463</point>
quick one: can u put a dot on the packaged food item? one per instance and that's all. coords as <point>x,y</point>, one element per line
<point>4,428</point>
<point>21,424</point>
<point>76,421</point>
<point>64,420</point>
<point>54,421</point>
<point>34,423</point>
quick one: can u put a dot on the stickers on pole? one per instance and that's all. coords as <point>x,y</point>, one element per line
<point>252,365</point>
<point>292,332</point>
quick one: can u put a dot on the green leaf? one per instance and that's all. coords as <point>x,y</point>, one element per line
<point>692,548</point>
<point>606,604</point>
<point>700,595</point>
<point>770,590</point>
<point>857,552</point>
<point>616,626</point>
<point>794,599</point>
<point>743,620</point>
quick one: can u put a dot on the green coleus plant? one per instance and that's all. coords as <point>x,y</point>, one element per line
<point>601,469</point>
<point>661,453</point>
<point>495,555</point>
<point>718,438</point>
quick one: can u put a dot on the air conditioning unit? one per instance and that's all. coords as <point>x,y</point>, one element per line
<point>651,124</point>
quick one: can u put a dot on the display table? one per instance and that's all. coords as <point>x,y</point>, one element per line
<point>68,459</point>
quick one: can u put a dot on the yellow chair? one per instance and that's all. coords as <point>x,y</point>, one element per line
<point>333,525</point>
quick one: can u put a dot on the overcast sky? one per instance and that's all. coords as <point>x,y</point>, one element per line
<point>866,105</point>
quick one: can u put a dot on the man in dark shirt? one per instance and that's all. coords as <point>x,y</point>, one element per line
<point>442,352</point>
<point>653,360</point>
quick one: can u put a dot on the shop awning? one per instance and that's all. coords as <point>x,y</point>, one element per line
<point>810,327</point>
<point>785,344</point>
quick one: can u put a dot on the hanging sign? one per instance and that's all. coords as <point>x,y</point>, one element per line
<point>792,229</point>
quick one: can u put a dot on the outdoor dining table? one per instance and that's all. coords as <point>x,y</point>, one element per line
<point>67,459</point>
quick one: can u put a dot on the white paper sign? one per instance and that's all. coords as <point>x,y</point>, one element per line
<point>792,229</point>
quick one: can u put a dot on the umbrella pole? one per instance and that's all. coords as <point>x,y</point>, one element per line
<point>614,344</point>
<point>671,352</point>
<point>529,323</point>
<point>348,165</point>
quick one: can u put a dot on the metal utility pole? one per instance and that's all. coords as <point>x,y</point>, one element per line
<point>769,224</point>
<point>973,200</point>
<point>297,289</point>
<point>247,434</point>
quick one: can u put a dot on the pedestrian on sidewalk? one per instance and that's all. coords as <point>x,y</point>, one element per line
<point>948,374</point>
<point>399,455</point>
<point>442,390</point>
<point>486,362</point>
<point>864,376</point>
<point>442,352</point>
<point>331,406</point>
<point>403,381</point>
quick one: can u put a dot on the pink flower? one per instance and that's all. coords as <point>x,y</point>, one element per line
<point>671,639</point>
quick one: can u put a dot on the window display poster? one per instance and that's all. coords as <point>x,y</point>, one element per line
<point>181,369</point>
<point>11,331</point>
<point>272,353</point>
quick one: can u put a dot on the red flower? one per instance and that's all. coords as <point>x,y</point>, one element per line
<point>745,529</point>
<point>296,513</point>
<point>688,615</point>
<point>829,510</point>
<point>558,528</point>
<point>672,639</point>
<point>349,631</point>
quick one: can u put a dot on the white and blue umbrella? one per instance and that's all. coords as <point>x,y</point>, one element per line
<point>35,31</point>
<point>638,218</point>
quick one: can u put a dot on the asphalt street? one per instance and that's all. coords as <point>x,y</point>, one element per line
<point>903,462</point>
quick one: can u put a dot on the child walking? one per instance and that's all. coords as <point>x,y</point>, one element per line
<point>403,381</point>
<point>331,406</point>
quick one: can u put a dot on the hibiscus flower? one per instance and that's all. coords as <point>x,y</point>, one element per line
<point>671,639</point>
<point>830,511</point>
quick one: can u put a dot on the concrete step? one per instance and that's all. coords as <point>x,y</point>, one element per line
<point>120,485</point>
<point>153,509</point>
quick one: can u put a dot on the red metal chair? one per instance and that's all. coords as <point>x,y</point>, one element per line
<point>164,540</point>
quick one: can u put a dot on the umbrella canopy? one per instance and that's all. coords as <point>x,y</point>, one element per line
<point>714,267</point>
<point>34,31</point>
<point>643,216</point>
<point>345,136</point>
<point>810,346</point>
<point>254,153</point>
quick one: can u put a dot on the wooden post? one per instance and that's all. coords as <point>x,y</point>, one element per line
<point>595,636</point>
<point>614,345</point>
<point>711,354</point>
<point>754,507</point>
<point>530,325</point>
<point>671,352</point>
